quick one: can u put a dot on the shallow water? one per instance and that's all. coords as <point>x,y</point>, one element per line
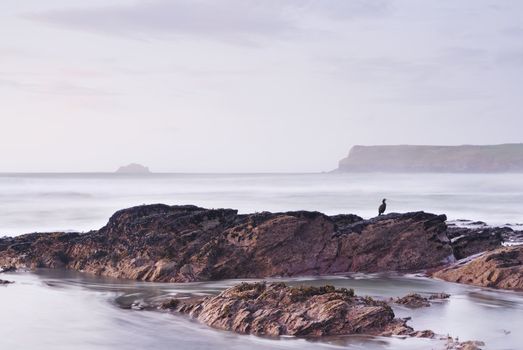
<point>82,202</point>
<point>69,310</point>
<point>66,310</point>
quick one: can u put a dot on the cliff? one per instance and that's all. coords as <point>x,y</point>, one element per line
<point>452,159</point>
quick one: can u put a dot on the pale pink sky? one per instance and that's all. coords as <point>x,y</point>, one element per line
<point>249,86</point>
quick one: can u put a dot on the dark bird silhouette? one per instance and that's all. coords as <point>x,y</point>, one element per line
<point>382,207</point>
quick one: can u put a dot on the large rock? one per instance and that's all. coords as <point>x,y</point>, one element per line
<point>188,243</point>
<point>501,268</point>
<point>276,309</point>
<point>393,242</point>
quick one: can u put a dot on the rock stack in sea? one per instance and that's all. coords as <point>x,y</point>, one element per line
<point>188,243</point>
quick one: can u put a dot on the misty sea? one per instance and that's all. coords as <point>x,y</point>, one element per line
<point>57,309</point>
<point>82,202</point>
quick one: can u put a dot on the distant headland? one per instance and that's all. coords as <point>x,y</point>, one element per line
<point>133,168</point>
<point>437,159</point>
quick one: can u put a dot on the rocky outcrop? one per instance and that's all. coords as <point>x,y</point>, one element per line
<point>476,238</point>
<point>455,344</point>
<point>501,268</point>
<point>415,300</point>
<point>7,269</point>
<point>383,244</point>
<point>454,159</point>
<point>276,309</point>
<point>188,243</point>
<point>133,168</point>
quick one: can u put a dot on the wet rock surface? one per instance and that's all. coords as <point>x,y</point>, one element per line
<point>415,300</point>
<point>453,344</point>
<point>188,243</point>
<point>7,269</point>
<point>476,237</point>
<point>439,296</point>
<point>501,268</point>
<point>275,309</point>
<point>515,235</point>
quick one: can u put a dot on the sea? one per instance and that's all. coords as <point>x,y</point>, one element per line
<point>83,202</point>
<point>53,309</point>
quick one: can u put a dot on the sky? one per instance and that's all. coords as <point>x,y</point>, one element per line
<point>251,86</point>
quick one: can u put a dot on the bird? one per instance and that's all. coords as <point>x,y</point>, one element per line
<point>382,207</point>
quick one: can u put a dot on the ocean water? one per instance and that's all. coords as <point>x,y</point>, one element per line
<point>54,310</point>
<point>51,310</point>
<point>82,202</point>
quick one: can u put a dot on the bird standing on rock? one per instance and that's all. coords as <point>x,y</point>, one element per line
<point>382,207</point>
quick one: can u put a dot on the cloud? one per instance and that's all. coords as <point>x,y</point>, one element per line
<point>512,58</point>
<point>345,9</point>
<point>9,83</point>
<point>442,76</point>
<point>224,19</point>
<point>11,52</point>
<point>381,69</point>
<point>434,95</point>
<point>63,88</point>
<point>513,31</point>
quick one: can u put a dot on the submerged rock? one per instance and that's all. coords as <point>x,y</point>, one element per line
<point>188,243</point>
<point>415,300</point>
<point>501,268</point>
<point>453,344</point>
<point>476,237</point>
<point>439,296</point>
<point>7,268</point>
<point>276,309</point>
